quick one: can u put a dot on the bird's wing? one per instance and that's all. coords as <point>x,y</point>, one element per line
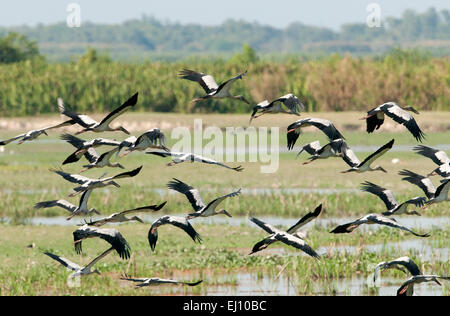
<point>192,194</point>
<point>311,148</point>
<point>206,81</point>
<point>92,156</point>
<point>73,140</point>
<point>422,182</point>
<point>81,119</point>
<point>349,227</point>
<point>296,242</point>
<point>182,223</point>
<point>417,201</point>
<point>349,156</point>
<point>380,152</point>
<point>7,141</point>
<point>74,178</point>
<point>443,188</point>
<point>443,170</point>
<point>292,103</point>
<point>214,203</point>
<point>121,109</point>
<point>128,174</point>
<point>159,153</point>
<point>382,220</point>
<point>107,155</point>
<point>65,123</point>
<point>139,280</point>
<point>268,228</point>
<point>263,244</point>
<point>327,127</point>
<point>305,219</point>
<point>373,121</point>
<point>167,281</point>
<point>99,257</point>
<point>403,117</point>
<point>60,203</point>
<point>65,262</point>
<point>227,84</point>
<point>153,208</point>
<point>439,157</point>
<point>386,195</point>
<point>84,199</point>
<point>407,288</point>
<point>213,162</point>
<point>409,264</point>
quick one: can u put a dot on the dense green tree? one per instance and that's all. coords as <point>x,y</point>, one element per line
<point>16,47</point>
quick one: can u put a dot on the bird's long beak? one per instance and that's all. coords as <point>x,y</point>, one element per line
<point>226,213</point>
<point>384,170</point>
<point>139,220</point>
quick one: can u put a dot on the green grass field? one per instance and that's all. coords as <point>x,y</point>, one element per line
<point>25,179</point>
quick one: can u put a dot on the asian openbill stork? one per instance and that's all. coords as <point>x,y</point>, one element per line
<point>90,124</point>
<point>293,230</point>
<point>366,164</point>
<point>87,184</point>
<point>407,288</point>
<point>375,118</point>
<point>294,130</point>
<point>398,264</point>
<point>335,148</point>
<point>392,206</point>
<point>176,221</point>
<point>212,89</point>
<point>293,240</point>
<point>100,161</point>
<point>439,157</point>
<point>82,208</point>
<point>35,133</point>
<point>189,157</point>
<point>112,236</point>
<point>193,195</point>
<point>288,104</point>
<point>154,139</point>
<point>157,281</point>
<point>371,219</point>
<point>78,270</point>
<point>120,217</point>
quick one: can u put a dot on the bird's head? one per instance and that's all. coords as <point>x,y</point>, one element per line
<point>411,109</point>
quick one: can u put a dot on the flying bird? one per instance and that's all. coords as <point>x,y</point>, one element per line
<point>87,184</point>
<point>212,89</point>
<point>407,288</point>
<point>288,104</point>
<point>373,219</point>
<point>78,270</point>
<point>153,138</point>
<point>293,230</point>
<point>35,133</point>
<point>293,240</point>
<point>375,118</point>
<point>294,130</point>
<point>179,222</point>
<point>392,206</point>
<point>189,157</point>
<point>100,161</point>
<point>398,264</point>
<point>434,195</point>
<point>439,157</point>
<point>120,217</point>
<point>112,236</point>
<point>91,125</point>
<point>201,209</point>
<point>82,208</point>
<point>335,148</point>
<point>366,164</point>
<point>157,281</point>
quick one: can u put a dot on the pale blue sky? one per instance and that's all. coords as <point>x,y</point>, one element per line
<point>278,13</point>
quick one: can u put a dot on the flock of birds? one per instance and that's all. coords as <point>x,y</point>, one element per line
<point>155,140</point>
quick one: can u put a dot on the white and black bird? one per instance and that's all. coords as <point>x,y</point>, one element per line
<point>294,130</point>
<point>201,208</point>
<point>78,270</point>
<point>293,240</point>
<point>35,133</point>
<point>100,161</point>
<point>366,164</point>
<point>91,125</point>
<point>392,206</point>
<point>87,184</point>
<point>375,118</point>
<point>121,217</point>
<point>288,104</point>
<point>398,264</point>
<point>112,236</point>
<point>372,219</point>
<point>178,158</point>
<point>142,282</point>
<point>407,288</point>
<point>439,157</point>
<point>434,195</point>
<point>176,221</point>
<point>152,139</point>
<point>81,209</point>
<point>82,146</point>
<point>212,89</point>
<point>335,148</point>
<point>293,230</point>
